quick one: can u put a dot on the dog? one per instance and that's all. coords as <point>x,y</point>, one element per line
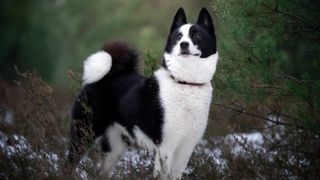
<point>166,113</point>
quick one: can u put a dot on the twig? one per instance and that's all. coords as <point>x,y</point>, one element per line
<point>242,111</point>
<point>268,127</point>
<point>279,113</point>
<point>287,76</point>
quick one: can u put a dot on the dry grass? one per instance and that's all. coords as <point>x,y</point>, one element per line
<point>41,123</point>
<point>39,136</point>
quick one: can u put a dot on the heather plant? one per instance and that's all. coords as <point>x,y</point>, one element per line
<point>267,82</point>
<point>34,145</point>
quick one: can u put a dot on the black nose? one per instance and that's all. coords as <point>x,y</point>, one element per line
<point>184,45</point>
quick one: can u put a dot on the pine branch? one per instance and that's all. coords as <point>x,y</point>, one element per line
<point>310,23</point>
<point>291,78</point>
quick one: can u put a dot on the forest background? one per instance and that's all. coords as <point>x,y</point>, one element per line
<point>265,113</point>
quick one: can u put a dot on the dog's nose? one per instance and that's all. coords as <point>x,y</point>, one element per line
<point>184,45</point>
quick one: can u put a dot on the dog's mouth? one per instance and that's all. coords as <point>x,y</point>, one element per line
<point>186,53</point>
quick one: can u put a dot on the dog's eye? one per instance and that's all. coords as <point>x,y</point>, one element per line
<point>178,36</point>
<point>197,36</point>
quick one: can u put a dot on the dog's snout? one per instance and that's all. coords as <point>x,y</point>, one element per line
<point>184,45</point>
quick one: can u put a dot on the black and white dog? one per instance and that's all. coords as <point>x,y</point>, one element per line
<point>167,113</point>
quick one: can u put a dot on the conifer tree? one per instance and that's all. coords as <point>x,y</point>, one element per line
<point>270,68</point>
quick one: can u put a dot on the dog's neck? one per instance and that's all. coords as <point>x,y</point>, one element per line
<point>192,71</point>
<point>186,82</point>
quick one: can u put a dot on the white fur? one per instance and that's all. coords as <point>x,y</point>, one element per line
<point>184,30</point>
<point>96,67</point>
<point>185,107</point>
<point>143,140</point>
<point>114,134</point>
<point>192,68</point>
<point>186,110</point>
<point>118,146</point>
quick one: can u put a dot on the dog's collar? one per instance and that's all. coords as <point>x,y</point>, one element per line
<point>186,82</point>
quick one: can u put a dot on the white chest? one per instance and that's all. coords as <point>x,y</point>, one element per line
<point>186,108</point>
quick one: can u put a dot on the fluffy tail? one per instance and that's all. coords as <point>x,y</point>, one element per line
<point>115,57</point>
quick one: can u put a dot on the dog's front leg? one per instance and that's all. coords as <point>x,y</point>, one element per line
<point>162,163</point>
<point>181,158</point>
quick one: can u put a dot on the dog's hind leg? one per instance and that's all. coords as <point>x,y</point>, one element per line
<point>114,149</point>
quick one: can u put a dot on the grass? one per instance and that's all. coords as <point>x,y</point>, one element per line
<point>34,146</point>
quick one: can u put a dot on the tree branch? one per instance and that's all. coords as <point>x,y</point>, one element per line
<point>302,19</point>
<point>242,111</point>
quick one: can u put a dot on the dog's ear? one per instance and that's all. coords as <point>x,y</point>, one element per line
<point>205,20</point>
<point>179,19</point>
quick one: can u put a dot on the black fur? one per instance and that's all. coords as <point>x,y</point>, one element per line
<point>206,43</point>
<point>121,96</point>
<point>203,28</point>
<point>178,20</point>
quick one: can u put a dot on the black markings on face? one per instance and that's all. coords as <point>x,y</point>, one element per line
<point>202,33</point>
<point>173,39</point>
<point>205,40</point>
<point>178,36</point>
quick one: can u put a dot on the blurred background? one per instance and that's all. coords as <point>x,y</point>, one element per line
<point>50,36</point>
<point>265,114</point>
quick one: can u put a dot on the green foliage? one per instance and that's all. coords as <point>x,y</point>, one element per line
<point>269,67</point>
<point>268,70</point>
<point>51,36</point>
<point>270,49</point>
<point>151,62</point>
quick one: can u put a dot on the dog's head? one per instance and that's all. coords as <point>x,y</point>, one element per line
<point>191,53</point>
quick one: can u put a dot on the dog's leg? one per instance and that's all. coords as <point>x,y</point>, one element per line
<point>117,147</point>
<point>163,161</point>
<point>112,157</point>
<point>162,164</point>
<point>181,158</point>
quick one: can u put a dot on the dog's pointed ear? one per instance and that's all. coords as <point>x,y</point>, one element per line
<point>179,19</point>
<point>205,20</point>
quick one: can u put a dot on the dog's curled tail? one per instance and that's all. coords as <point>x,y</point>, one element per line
<point>115,57</point>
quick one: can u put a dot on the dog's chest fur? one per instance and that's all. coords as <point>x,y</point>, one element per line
<point>185,108</point>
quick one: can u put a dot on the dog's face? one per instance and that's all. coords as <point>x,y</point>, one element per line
<point>191,39</point>
<point>191,48</point>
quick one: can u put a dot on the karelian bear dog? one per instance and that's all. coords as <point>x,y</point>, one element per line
<point>167,112</point>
